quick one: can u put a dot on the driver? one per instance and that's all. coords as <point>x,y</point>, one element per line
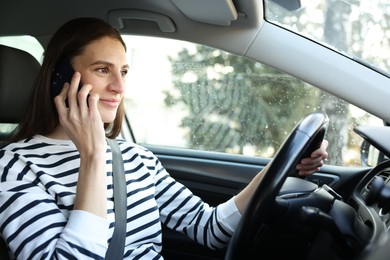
<point>56,191</point>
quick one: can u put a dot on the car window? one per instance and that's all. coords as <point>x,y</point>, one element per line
<point>28,44</point>
<point>192,96</point>
<point>358,28</point>
<point>24,42</point>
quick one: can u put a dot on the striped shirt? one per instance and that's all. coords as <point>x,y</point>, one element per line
<point>37,190</point>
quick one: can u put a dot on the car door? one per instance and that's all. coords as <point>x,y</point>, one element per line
<point>216,178</point>
<point>213,177</point>
<point>215,120</point>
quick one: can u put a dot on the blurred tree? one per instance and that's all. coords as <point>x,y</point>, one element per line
<point>224,94</point>
<point>335,33</point>
<point>233,102</point>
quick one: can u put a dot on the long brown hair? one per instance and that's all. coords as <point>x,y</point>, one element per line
<point>68,42</point>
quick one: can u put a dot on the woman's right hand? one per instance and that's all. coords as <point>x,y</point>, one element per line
<point>81,120</point>
<point>82,123</point>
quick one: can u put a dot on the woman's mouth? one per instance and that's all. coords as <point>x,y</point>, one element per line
<point>110,102</point>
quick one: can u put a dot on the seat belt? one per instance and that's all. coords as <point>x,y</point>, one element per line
<point>116,247</point>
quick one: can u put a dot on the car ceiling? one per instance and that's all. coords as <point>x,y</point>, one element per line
<point>41,18</point>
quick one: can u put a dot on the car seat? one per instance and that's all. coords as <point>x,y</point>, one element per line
<point>18,72</point>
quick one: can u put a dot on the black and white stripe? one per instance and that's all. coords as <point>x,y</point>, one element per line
<point>37,190</point>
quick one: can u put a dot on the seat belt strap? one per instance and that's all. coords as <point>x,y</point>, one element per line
<point>116,247</point>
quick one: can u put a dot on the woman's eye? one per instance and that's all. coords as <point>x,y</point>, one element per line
<point>103,70</point>
<point>124,72</point>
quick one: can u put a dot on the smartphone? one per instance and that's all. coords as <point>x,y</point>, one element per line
<point>62,73</point>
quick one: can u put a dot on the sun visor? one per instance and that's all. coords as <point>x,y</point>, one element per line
<point>118,17</point>
<point>218,12</point>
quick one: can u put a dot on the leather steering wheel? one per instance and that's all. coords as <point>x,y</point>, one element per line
<point>304,139</point>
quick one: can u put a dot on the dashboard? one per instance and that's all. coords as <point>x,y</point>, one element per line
<point>371,197</point>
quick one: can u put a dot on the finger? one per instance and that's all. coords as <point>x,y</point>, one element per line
<point>309,167</point>
<point>321,152</point>
<point>59,101</point>
<point>311,161</point>
<point>82,96</point>
<point>93,101</point>
<point>308,172</point>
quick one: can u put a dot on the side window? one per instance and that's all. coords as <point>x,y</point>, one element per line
<point>185,95</point>
<point>24,42</point>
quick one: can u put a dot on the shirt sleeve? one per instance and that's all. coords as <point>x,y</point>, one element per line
<point>83,226</point>
<point>35,226</point>
<point>184,212</point>
<point>229,216</point>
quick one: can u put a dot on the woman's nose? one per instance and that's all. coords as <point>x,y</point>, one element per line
<point>117,83</point>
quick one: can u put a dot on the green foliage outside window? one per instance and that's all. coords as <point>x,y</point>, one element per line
<point>234,103</point>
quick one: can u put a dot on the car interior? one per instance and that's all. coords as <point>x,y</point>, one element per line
<point>338,213</point>
<point>15,90</point>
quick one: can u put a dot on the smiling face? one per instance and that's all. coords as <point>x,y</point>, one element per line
<point>103,64</point>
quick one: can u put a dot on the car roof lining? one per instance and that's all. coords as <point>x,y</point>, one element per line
<point>241,17</point>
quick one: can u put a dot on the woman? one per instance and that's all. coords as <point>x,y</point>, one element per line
<point>56,190</point>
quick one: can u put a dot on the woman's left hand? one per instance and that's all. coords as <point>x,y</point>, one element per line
<point>312,164</point>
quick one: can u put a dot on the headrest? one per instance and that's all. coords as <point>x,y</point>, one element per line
<point>18,72</point>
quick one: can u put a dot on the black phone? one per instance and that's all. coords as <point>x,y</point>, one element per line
<point>62,73</point>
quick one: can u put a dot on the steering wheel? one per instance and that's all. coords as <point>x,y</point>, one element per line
<point>306,137</point>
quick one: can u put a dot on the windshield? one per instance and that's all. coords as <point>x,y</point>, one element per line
<point>356,28</point>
